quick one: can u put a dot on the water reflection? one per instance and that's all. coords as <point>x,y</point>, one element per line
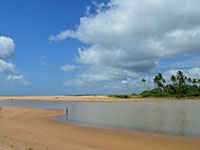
<point>160,120</point>
<point>171,117</point>
<point>178,117</point>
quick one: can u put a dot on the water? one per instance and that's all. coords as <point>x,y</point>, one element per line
<point>170,117</point>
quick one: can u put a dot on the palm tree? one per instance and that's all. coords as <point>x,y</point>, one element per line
<point>155,80</point>
<point>194,81</point>
<point>198,82</point>
<point>163,82</point>
<point>173,79</point>
<point>158,80</point>
<point>160,76</point>
<point>180,78</point>
<point>160,85</point>
<point>189,80</point>
<point>143,80</point>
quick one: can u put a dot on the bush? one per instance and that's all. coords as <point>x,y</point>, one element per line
<point>134,94</point>
<point>120,96</point>
<point>152,93</point>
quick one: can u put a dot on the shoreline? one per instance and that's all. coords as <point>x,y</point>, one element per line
<point>87,99</point>
<point>30,128</point>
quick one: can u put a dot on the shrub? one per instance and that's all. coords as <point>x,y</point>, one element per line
<point>120,96</point>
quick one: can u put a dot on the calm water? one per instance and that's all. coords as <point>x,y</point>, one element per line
<point>171,117</point>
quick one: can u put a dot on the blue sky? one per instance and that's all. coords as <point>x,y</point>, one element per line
<point>95,47</point>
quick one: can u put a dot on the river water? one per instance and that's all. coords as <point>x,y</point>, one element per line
<point>181,117</point>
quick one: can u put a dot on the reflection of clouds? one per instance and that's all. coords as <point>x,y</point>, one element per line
<point>173,117</point>
<point>177,118</point>
<point>183,118</point>
<point>73,108</point>
<point>160,119</point>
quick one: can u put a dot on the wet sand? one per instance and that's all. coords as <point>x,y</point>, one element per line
<point>31,129</point>
<point>81,98</point>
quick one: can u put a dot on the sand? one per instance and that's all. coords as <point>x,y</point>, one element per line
<point>80,98</point>
<point>31,129</point>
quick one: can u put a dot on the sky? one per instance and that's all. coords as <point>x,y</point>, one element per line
<point>60,47</point>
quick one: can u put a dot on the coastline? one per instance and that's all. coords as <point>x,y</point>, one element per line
<point>28,128</point>
<point>86,99</point>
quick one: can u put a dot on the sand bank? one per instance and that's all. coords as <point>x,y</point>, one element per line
<point>30,129</point>
<point>80,98</point>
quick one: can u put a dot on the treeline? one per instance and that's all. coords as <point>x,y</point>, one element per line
<point>180,86</point>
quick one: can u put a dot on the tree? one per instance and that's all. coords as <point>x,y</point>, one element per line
<point>182,86</point>
<point>194,81</point>
<point>158,80</point>
<point>173,79</point>
<point>160,85</point>
<point>163,80</point>
<point>189,80</point>
<point>155,80</point>
<point>198,82</point>
<point>180,77</point>
<point>160,76</point>
<point>143,80</point>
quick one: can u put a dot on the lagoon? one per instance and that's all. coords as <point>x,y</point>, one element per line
<point>178,117</point>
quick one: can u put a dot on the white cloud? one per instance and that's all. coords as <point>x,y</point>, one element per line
<point>136,85</point>
<point>130,86</point>
<point>67,68</point>
<point>7,47</point>
<point>87,13</point>
<point>132,36</point>
<point>192,73</point>
<point>6,67</point>
<point>18,79</point>
<point>125,81</point>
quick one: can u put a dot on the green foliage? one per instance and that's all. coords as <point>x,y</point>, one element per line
<point>179,87</point>
<point>120,96</point>
<point>134,94</point>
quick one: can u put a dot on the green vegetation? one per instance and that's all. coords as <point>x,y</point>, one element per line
<point>125,96</point>
<point>180,86</point>
<point>120,96</point>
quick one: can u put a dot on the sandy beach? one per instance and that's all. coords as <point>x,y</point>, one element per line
<point>81,98</point>
<point>31,129</point>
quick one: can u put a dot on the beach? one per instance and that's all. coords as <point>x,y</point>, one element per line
<point>83,98</point>
<point>32,129</point>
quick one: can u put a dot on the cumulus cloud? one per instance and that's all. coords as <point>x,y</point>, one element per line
<point>6,67</point>
<point>132,36</point>
<point>136,85</point>
<point>7,47</point>
<point>192,73</point>
<point>67,68</point>
<point>125,81</point>
<point>18,79</point>
<point>131,85</point>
